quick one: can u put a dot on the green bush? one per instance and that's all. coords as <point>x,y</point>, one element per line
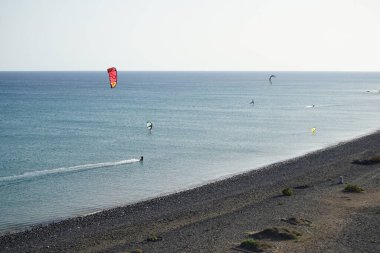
<point>249,244</point>
<point>253,245</point>
<point>353,188</point>
<point>287,192</point>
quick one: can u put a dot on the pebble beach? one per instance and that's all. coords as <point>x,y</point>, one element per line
<point>218,216</point>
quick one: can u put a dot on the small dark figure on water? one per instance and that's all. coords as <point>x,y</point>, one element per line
<point>252,102</point>
<point>141,158</point>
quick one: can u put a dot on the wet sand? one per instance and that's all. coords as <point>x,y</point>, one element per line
<point>218,216</point>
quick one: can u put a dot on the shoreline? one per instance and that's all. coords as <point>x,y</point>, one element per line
<point>225,177</point>
<point>267,180</point>
<point>189,188</point>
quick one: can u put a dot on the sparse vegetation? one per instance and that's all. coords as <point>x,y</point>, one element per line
<point>370,161</point>
<point>296,221</point>
<point>302,187</point>
<point>154,238</point>
<point>353,188</point>
<point>253,245</point>
<point>287,192</point>
<point>277,234</point>
<point>137,251</point>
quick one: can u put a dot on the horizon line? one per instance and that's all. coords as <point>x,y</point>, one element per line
<point>192,70</point>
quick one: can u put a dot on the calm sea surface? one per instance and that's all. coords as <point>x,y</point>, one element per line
<point>69,144</point>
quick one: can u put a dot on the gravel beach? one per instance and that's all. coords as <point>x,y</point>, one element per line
<point>218,216</point>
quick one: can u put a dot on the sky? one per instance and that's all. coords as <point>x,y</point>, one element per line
<point>207,35</point>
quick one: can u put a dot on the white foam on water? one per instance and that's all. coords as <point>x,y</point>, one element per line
<point>373,91</point>
<point>39,173</point>
<point>318,106</point>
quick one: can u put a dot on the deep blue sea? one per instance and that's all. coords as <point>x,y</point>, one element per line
<point>70,144</point>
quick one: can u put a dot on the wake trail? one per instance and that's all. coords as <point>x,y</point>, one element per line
<point>40,173</point>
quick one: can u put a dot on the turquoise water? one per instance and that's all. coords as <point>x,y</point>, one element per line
<point>70,144</point>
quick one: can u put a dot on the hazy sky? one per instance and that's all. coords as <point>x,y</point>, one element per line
<point>190,35</point>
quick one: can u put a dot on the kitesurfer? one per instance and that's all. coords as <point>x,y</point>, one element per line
<point>149,125</point>
<point>141,159</point>
<point>252,102</point>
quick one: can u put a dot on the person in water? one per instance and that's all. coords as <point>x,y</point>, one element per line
<point>141,158</point>
<point>252,102</point>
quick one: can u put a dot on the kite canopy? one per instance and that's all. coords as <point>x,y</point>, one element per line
<point>270,78</point>
<point>112,74</point>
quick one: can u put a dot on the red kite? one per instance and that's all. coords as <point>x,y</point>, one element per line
<point>112,74</point>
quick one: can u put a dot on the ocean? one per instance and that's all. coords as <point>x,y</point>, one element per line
<point>70,145</point>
